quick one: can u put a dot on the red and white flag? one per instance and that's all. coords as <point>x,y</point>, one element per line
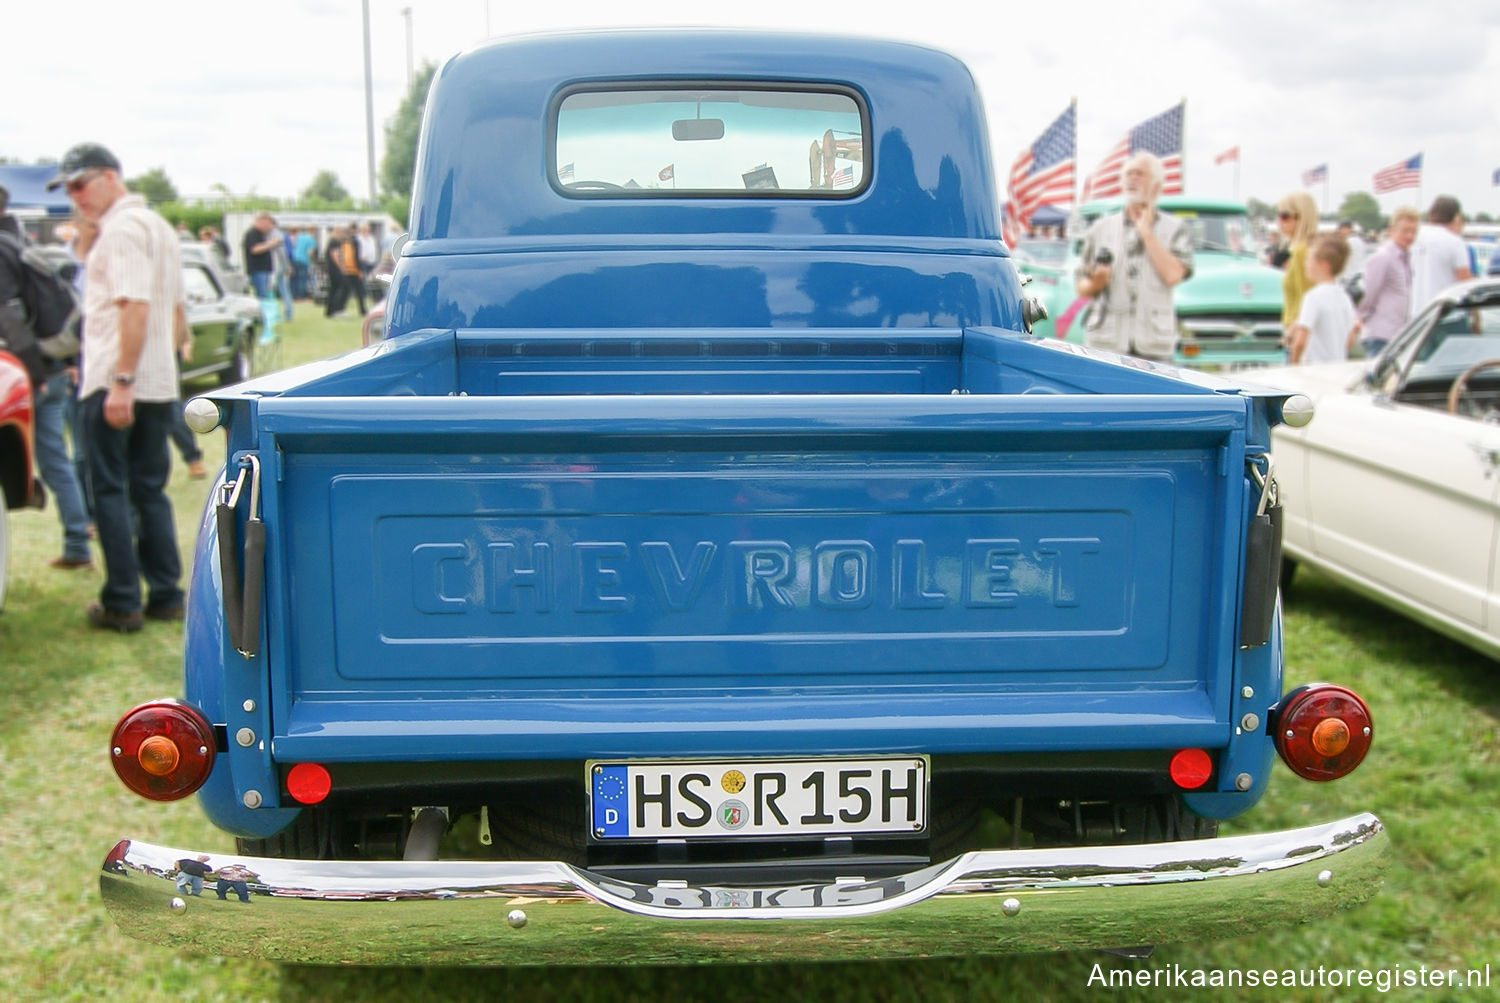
<point>667,173</point>
<point>1407,174</point>
<point>1161,135</point>
<point>1043,173</point>
<point>1233,153</point>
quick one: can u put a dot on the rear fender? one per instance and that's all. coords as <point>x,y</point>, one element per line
<point>232,692</point>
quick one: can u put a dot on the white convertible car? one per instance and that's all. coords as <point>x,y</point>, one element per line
<point>1394,486</point>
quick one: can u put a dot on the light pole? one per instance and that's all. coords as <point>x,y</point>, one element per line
<point>369,106</point>
<point>410,72</point>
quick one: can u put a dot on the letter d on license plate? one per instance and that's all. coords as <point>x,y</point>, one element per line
<point>678,799</point>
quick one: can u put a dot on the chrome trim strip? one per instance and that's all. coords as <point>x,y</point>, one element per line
<point>541,912</point>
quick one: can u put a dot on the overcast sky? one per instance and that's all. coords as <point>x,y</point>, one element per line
<point>261,96</point>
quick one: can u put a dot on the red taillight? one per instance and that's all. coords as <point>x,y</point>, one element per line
<point>1191,768</point>
<point>308,783</point>
<point>1323,731</point>
<point>163,750</point>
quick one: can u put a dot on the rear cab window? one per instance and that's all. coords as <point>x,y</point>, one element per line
<point>716,140</point>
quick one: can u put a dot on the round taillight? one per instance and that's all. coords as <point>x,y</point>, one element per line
<point>1323,731</point>
<point>163,750</point>
<point>1191,768</point>
<point>308,783</point>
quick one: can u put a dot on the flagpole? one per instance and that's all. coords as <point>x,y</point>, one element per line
<point>1236,173</point>
<point>1183,140</point>
<point>1073,107</point>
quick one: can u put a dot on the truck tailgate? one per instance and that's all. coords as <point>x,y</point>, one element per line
<point>782,573</point>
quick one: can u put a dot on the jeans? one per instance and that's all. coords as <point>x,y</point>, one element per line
<point>1372,347</point>
<point>54,413</point>
<point>129,468</point>
<point>240,888</point>
<point>184,439</point>
<point>190,883</point>
<point>284,290</point>
<point>299,280</point>
<point>261,283</point>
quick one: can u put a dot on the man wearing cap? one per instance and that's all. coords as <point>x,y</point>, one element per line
<point>134,316</point>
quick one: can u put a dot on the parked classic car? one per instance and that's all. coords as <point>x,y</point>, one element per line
<point>225,325</point>
<point>18,485</point>
<point>1392,488</point>
<point>1228,312</point>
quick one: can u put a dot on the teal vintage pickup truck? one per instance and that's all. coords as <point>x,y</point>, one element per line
<point>1228,311</point>
<point>709,565</point>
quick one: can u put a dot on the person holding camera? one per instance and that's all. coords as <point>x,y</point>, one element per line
<point>1131,260</point>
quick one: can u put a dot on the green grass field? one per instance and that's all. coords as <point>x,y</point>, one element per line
<point>1433,776</point>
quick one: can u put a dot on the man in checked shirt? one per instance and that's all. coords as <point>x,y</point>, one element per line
<point>134,321</point>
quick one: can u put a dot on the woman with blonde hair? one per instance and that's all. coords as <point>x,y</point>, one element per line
<point>1297,219</point>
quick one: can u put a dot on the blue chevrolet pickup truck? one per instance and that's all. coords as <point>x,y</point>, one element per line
<point>710,566</point>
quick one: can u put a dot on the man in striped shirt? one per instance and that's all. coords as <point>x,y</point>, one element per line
<point>134,320</point>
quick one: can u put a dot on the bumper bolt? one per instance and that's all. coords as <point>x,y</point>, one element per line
<point>1244,782</point>
<point>251,799</point>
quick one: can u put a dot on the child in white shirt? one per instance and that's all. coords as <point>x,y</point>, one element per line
<point>1326,324</point>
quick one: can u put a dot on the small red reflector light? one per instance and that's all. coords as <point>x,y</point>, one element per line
<point>1191,768</point>
<point>308,783</point>
<point>1323,731</point>
<point>163,750</point>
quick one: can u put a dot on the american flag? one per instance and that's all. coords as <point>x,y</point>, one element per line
<point>565,171</point>
<point>1314,175</point>
<point>1233,153</point>
<point>667,173</point>
<point>1162,136</point>
<point>1407,174</point>
<point>1043,174</point>
<point>843,176</point>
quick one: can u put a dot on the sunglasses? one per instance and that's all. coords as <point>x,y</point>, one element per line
<point>80,183</point>
<point>1279,215</point>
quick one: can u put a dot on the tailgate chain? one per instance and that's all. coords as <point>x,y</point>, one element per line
<point>242,602</point>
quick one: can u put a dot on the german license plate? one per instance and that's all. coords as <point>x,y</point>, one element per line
<point>678,799</point>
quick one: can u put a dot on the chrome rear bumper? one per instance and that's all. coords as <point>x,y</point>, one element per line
<point>532,913</point>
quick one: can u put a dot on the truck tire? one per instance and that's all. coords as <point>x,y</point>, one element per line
<point>310,837</point>
<point>545,829</point>
<point>242,366</point>
<point>1158,819</point>
<point>1288,569</point>
<point>4,546</point>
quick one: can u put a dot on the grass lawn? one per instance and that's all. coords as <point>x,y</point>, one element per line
<point>1433,776</point>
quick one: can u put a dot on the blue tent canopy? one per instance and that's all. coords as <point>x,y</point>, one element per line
<point>1049,215</point>
<point>27,184</point>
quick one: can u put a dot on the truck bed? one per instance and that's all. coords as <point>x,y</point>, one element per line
<point>965,541</point>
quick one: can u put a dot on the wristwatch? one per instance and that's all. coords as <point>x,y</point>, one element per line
<point>124,379</point>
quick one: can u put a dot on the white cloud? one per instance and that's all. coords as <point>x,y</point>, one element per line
<point>263,96</point>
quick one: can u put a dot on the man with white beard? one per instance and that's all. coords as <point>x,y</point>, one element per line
<point>1131,260</point>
